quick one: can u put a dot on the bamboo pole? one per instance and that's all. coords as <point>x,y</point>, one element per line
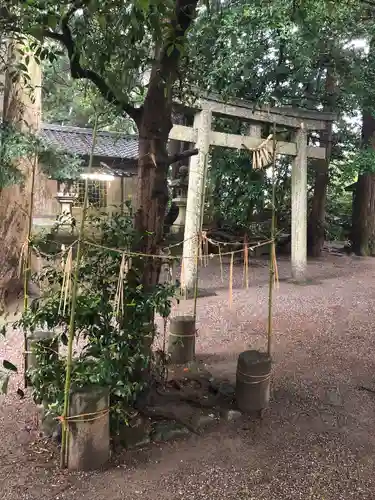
<point>196,281</point>
<point>273,249</point>
<point>231,280</point>
<point>64,438</point>
<point>27,263</point>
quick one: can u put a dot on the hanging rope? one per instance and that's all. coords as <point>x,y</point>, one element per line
<point>262,154</point>
<point>119,296</point>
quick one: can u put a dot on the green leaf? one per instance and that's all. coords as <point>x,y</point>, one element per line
<point>102,22</point>
<point>36,31</point>
<point>52,21</point>
<point>9,366</point>
<point>170,49</point>
<point>180,48</point>
<point>143,4</point>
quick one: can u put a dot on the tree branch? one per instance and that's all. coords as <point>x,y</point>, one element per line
<point>180,156</point>
<point>78,72</point>
<point>184,14</point>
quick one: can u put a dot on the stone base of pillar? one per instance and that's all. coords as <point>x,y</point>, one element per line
<point>304,281</point>
<point>189,293</point>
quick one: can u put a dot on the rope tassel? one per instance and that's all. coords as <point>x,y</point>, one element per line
<point>275,267</point>
<point>66,286</point>
<point>119,297</point>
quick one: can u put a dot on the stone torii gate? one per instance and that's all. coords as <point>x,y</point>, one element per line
<point>300,122</point>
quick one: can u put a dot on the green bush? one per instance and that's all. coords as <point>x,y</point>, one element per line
<point>114,335</point>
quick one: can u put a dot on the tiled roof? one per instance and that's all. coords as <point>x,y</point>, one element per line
<point>78,141</point>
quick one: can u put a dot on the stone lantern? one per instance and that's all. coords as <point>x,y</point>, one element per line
<point>66,196</point>
<point>180,188</point>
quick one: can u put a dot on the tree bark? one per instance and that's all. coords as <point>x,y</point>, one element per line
<point>363,230</point>
<point>316,223</point>
<point>363,217</point>
<point>21,109</point>
<point>363,214</point>
<point>154,125</point>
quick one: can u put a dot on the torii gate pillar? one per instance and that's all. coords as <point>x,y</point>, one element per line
<point>195,201</point>
<point>299,207</point>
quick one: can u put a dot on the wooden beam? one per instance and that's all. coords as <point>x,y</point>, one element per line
<point>237,141</point>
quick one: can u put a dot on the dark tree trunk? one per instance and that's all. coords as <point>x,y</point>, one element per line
<point>363,217</point>
<point>363,230</point>
<point>152,192</point>
<point>154,124</point>
<point>316,222</point>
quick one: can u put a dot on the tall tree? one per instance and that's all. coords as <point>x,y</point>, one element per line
<point>363,219</point>
<point>288,53</point>
<point>114,44</point>
<point>21,111</point>
<point>316,223</point>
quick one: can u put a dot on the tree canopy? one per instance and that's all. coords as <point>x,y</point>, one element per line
<point>134,56</point>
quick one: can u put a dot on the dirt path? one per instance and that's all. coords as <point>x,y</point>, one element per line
<point>316,442</point>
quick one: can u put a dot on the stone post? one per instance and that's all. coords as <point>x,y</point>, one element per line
<point>66,201</point>
<point>88,438</point>
<point>181,344</point>
<point>299,207</point>
<point>194,208</point>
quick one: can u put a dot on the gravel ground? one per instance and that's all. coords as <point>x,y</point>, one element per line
<point>317,440</point>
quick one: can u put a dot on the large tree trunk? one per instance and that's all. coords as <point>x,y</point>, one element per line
<point>363,230</point>
<point>316,222</point>
<point>363,217</point>
<point>152,192</point>
<point>21,109</point>
<point>154,124</point>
